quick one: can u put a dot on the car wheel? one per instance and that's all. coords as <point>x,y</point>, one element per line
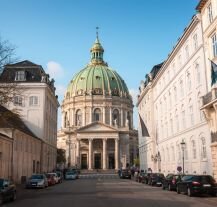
<point>14,196</point>
<point>189,192</point>
<point>169,187</point>
<point>1,200</point>
<point>177,190</point>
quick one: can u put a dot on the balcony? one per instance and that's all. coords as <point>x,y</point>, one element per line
<point>210,97</point>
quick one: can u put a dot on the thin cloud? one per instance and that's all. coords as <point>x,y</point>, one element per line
<point>133,92</point>
<point>55,70</point>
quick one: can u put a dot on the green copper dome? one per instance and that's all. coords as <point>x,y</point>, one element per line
<point>97,78</point>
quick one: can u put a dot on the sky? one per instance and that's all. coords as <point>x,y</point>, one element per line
<point>58,35</point>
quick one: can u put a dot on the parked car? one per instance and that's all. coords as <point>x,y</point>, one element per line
<point>170,181</point>
<point>60,176</point>
<point>56,178</point>
<point>197,184</point>
<point>125,173</point>
<point>7,190</point>
<point>70,175</point>
<point>50,179</point>
<point>140,177</point>
<point>37,181</point>
<point>145,178</point>
<point>156,179</point>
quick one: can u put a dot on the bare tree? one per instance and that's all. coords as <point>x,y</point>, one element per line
<point>7,53</point>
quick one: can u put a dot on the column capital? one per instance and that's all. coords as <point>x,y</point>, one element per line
<point>90,139</point>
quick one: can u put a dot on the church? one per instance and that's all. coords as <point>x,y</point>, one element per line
<point>97,118</point>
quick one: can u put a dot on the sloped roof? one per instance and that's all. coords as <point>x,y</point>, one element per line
<point>8,119</point>
<point>33,72</point>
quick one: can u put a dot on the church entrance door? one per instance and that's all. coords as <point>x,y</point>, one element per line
<point>84,161</point>
<point>97,160</point>
<point>111,161</point>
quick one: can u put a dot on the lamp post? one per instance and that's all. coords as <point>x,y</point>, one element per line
<point>183,156</point>
<point>69,142</point>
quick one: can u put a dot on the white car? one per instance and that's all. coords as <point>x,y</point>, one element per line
<point>56,178</point>
<point>70,175</point>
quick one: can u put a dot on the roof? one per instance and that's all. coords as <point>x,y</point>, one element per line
<point>8,119</point>
<point>97,78</point>
<point>201,4</point>
<point>33,72</point>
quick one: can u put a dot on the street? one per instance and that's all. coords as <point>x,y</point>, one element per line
<point>106,192</point>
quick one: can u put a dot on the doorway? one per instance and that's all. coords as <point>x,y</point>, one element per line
<point>84,161</point>
<point>97,160</point>
<point>111,161</point>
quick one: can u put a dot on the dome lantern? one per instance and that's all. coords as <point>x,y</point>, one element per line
<point>97,51</point>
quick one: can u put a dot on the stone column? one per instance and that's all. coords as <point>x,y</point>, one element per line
<point>116,154</point>
<point>104,154</point>
<point>110,116</point>
<point>122,117</point>
<point>103,114</point>
<point>73,116</point>
<point>91,115</point>
<point>90,154</point>
<point>78,153</point>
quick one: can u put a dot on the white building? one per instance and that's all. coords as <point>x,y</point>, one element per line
<point>208,11</point>
<point>169,103</point>
<point>37,106</point>
<point>97,118</point>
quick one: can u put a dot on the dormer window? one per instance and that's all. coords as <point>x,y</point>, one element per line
<point>20,76</point>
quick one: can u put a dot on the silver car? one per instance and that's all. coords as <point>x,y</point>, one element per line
<point>37,181</point>
<point>71,175</point>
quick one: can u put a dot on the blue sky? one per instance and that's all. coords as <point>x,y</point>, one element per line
<point>58,34</point>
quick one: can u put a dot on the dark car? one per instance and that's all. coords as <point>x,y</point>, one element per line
<point>7,190</point>
<point>125,174</point>
<point>50,179</point>
<point>140,177</point>
<point>197,184</point>
<point>145,177</point>
<point>170,181</point>
<point>156,179</point>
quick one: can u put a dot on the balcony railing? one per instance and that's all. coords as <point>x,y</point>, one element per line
<point>209,97</point>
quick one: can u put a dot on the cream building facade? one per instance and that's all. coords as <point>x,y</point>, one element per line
<point>208,11</point>
<point>37,105</point>
<point>97,118</point>
<point>169,103</point>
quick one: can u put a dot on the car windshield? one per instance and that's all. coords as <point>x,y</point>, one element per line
<point>37,177</point>
<point>1,183</point>
<point>70,173</point>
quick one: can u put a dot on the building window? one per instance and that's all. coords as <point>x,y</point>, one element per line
<point>179,152</point>
<point>203,148</point>
<point>20,76</point>
<point>66,120</point>
<point>189,81</point>
<point>191,115</point>
<point>195,40</point>
<point>210,16</point>
<point>214,45</point>
<point>18,101</point>
<point>183,120</point>
<point>97,115</point>
<point>187,52</point>
<point>116,117</point>
<point>173,153</point>
<point>181,89</point>
<point>171,125</point>
<point>177,123</point>
<point>33,100</point>
<point>197,68</point>
<point>194,150</point>
<point>175,95</point>
<point>78,118</point>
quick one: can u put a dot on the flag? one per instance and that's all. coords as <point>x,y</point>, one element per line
<point>213,73</point>
<point>143,127</point>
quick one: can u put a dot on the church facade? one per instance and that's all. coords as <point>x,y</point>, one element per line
<point>97,118</point>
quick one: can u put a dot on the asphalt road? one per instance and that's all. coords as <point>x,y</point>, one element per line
<point>106,192</point>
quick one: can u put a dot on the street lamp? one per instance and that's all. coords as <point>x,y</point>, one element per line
<point>183,157</point>
<point>69,142</point>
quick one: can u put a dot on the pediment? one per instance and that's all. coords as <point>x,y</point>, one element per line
<point>96,127</point>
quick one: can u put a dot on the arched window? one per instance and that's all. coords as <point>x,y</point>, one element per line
<point>65,120</point>
<point>116,117</point>
<point>78,118</point>
<point>191,113</point>
<point>97,114</point>
<point>203,148</point>
<point>194,149</point>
